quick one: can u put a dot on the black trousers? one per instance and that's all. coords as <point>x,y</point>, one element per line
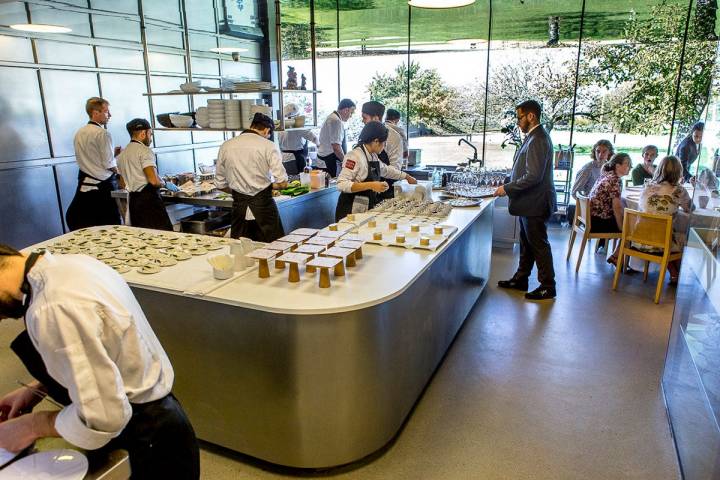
<point>331,164</point>
<point>535,250</point>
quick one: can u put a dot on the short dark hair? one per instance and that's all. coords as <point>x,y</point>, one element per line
<point>346,103</point>
<point>530,106</point>
<point>373,108</point>
<point>7,251</point>
<point>261,121</point>
<point>392,114</point>
<point>373,131</point>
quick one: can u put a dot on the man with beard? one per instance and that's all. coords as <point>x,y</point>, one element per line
<point>139,170</point>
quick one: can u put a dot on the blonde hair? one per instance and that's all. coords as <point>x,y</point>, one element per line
<point>95,104</point>
<point>669,170</point>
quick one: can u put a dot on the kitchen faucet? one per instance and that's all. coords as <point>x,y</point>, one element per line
<point>475,157</point>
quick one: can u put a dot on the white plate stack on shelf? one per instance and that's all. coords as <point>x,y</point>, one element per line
<point>216,112</point>
<point>202,117</point>
<point>233,120</point>
<point>252,86</point>
<point>246,112</point>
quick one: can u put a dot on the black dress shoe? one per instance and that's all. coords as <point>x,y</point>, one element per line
<point>541,293</point>
<point>515,284</point>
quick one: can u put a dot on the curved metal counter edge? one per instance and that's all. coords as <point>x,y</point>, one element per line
<point>316,390</point>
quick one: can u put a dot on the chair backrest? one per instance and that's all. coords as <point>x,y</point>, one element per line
<point>649,229</point>
<point>582,210</point>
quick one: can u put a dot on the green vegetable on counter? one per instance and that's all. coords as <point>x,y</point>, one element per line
<point>294,191</point>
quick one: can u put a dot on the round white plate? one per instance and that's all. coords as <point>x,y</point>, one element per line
<point>51,465</point>
<point>6,456</point>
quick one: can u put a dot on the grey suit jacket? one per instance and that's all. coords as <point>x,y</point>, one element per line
<point>531,191</point>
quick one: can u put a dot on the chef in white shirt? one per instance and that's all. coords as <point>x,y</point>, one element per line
<point>138,168</point>
<point>333,144</point>
<point>90,347</point>
<point>361,180</point>
<point>392,120</point>
<point>250,166</point>
<point>392,154</point>
<point>97,176</point>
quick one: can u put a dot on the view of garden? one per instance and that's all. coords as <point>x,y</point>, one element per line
<point>618,81</point>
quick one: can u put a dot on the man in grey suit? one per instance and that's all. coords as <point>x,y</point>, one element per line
<point>531,196</point>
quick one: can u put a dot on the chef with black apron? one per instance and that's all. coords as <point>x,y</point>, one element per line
<point>97,176</point>
<point>392,153</point>
<point>90,347</point>
<point>333,143</point>
<point>250,166</point>
<point>361,178</point>
<point>294,146</point>
<point>138,168</point>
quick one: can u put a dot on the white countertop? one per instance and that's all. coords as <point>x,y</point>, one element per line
<point>382,274</point>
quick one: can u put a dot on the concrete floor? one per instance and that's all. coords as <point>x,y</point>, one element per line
<point>556,390</point>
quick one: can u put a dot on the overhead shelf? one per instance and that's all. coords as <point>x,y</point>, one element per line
<point>230,92</point>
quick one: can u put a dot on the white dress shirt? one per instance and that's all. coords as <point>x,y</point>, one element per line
<point>394,149</point>
<point>332,131</point>
<point>401,132</point>
<point>131,163</point>
<point>95,341</point>
<point>94,151</point>
<point>355,169</point>
<point>249,163</point>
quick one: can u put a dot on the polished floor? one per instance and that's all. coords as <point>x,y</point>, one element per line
<point>567,389</point>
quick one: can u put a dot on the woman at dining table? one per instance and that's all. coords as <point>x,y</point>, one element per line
<point>606,208</point>
<point>646,169</point>
<point>665,195</point>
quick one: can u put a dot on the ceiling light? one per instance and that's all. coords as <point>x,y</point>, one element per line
<point>229,50</point>
<point>40,28</point>
<point>440,3</point>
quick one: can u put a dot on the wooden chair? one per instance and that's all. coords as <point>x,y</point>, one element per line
<point>648,229</point>
<point>582,225</point>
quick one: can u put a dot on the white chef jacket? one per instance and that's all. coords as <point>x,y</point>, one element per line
<point>131,163</point>
<point>401,132</point>
<point>355,169</point>
<point>332,131</point>
<point>249,163</point>
<point>95,341</point>
<point>394,149</point>
<point>94,151</point>
<point>293,141</point>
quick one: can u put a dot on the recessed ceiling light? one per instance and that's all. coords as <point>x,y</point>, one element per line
<point>440,3</point>
<point>40,28</point>
<point>229,50</point>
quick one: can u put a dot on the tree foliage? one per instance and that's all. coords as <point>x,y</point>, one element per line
<point>432,102</point>
<point>644,69</point>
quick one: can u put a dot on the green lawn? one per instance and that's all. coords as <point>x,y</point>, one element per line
<point>512,19</point>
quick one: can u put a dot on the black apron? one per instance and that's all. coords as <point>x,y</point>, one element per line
<point>300,159</point>
<point>332,162</point>
<point>159,439</point>
<point>95,207</point>
<point>390,192</point>
<point>346,200</point>
<point>267,226</point>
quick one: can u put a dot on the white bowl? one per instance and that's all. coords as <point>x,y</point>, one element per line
<point>181,121</point>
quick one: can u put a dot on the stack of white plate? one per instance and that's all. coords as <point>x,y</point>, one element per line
<point>202,117</point>
<point>246,113</point>
<point>233,119</point>
<point>251,86</point>
<point>216,113</point>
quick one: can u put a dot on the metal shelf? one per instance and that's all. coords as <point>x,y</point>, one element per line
<point>198,129</point>
<point>231,92</point>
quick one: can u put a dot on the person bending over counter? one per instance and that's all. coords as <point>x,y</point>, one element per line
<point>93,204</point>
<point>250,166</point>
<point>332,142</point>
<point>138,168</point>
<point>688,149</point>
<point>361,178</point>
<point>90,347</point>
<point>392,152</point>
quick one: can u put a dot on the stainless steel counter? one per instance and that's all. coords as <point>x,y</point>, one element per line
<point>320,390</point>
